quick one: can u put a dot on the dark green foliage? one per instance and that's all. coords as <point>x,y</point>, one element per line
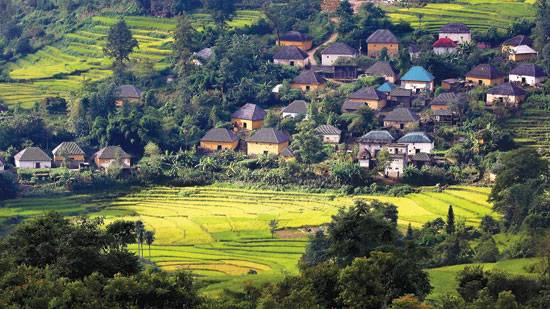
<point>486,251</point>
<point>120,43</point>
<point>489,225</point>
<point>54,105</point>
<point>221,10</point>
<point>307,144</point>
<point>450,226</point>
<point>8,186</point>
<point>470,281</point>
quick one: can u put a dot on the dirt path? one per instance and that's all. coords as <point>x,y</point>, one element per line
<point>311,52</point>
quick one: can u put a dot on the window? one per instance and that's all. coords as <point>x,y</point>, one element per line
<point>480,82</point>
<point>219,147</point>
<point>523,80</point>
<point>244,125</point>
<point>401,126</point>
<point>266,152</point>
<point>308,88</point>
<point>37,165</point>
<point>291,63</point>
<point>417,150</point>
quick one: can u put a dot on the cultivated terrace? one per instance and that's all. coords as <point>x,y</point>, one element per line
<point>274,154</point>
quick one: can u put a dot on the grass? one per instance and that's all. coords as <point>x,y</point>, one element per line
<point>221,232</point>
<point>477,14</point>
<point>532,129</point>
<point>61,68</point>
<point>443,279</point>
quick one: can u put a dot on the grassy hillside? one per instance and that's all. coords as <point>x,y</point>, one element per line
<point>221,233</point>
<point>532,128</point>
<point>63,67</point>
<point>443,279</point>
<point>477,14</point>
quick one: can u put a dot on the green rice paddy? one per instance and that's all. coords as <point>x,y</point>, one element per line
<point>221,232</point>
<point>61,68</point>
<point>477,14</point>
<point>532,129</point>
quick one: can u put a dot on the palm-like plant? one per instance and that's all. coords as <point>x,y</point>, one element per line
<point>140,229</point>
<point>149,239</point>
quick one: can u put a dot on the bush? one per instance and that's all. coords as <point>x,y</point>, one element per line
<point>54,105</point>
<point>486,251</point>
<point>8,186</point>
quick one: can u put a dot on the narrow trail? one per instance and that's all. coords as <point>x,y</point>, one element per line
<point>311,52</point>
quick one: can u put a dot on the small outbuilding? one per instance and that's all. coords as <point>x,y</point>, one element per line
<point>127,94</point>
<point>337,50</point>
<point>218,139</point>
<point>267,141</point>
<point>383,69</point>
<point>417,142</point>
<point>400,97</point>
<point>292,56</point>
<point>522,53</point>
<point>109,155</point>
<point>298,108</point>
<point>418,79</point>
<point>374,141</point>
<point>295,38</point>
<point>459,33</point>
<point>382,39</point>
<point>248,117</point>
<point>527,74</point>
<point>308,80</point>
<point>32,157</point>
<point>329,133</point>
<point>401,118</point>
<point>444,46</point>
<point>444,100</point>
<point>369,96</point>
<point>508,94</point>
<point>516,41</point>
<point>485,75</point>
<point>68,154</point>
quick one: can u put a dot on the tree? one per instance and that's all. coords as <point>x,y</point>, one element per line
<point>307,144</point>
<point>8,186</point>
<point>120,43</point>
<point>221,10</point>
<point>360,285</point>
<point>185,41</point>
<point>506,300</point>
<point>450,227</point>
<point>149,239</point>
<point>139,230</point>
<point>410,233</point>
<point>489,225</point>
<point>471,280</point>
<point>486,251</point>
<point>273,225</point>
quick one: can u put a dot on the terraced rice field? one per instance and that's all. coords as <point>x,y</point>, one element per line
<point>532,129</point>
<point>477,14</point>
<point>221,232</point>
<point>62,67</point>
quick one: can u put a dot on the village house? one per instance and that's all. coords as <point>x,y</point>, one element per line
<point>508,94</point>
<point>335,51</point>
<point>218,139</point>
<point>341,72</point>
<point>420,159</point>
<point>374,141</point>
<point>202,56</point>
<point>516,41</point>
<point>68,154</point>
<point>457,32</point>
<point>382,39</point>
<point>308,80</point>
<point>444,100</point>
<point>32,157</point>
<point>383,69</point>
<point>397,163</point>
<point>400,97</point>
<point>298,108</point>
<point>522,53</point>
<point>109,155</point>
<point>402,118</point>
<point>368,96</point>
<point>452,84</point>
<point>485,75</point>
<point>329,133</point>
<point>248,117</point>
<point>444,46</point>
<point>417,142</point>
<point>267,141</point>
<point>295,38</point>
<point>127,94</point>
<point>527,74</point>
<point>292,56</point>
<point>443,117</point>
<point>418,79</point>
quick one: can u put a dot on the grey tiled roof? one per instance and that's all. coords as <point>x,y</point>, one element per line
<point>485,71</point>
<point>381,68</point>
<point>339,48</point>
<point>401,114</point>
<point>309,77</point>
<point>454,28</point>
<point>32,154</point>
<point>377,136</point>
<point>112,152</point>
<point>290,53</point>
<point>518,40</point>
<point>367,93</point>
<point>249,111</point>
<point>287,153</point>
<point>507,89</point>
<point>445,98</point>
<point>382,36</point>
<point>296,107</point>
<point>442,112</point>
<point>295,36</point>
<point>327,129</point>
<point>528,69</point>
<point>400,92</point>
<point>68,148</point>
<point>205,53</point>
<point>128,91</point>
<point>219,135</point>
<point>415,137</point>
<point>269,136</point>
<point>421,157</point>
<point>350,106</point>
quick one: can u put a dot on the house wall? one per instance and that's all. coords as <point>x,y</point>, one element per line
<point>372,148</point>
<point>104,163</point>
<point>74,158</point>
<point>457,37</point>
<point>304,87</point>
<point>374,49</point>
<point>509,101</point>
<point>373,104</point>
<point>439,107</point>
<point>331,139</point>
<point>529,80</point>
<point>416,85</point>
<point>485,81</point>
<point>522,57</point>
<point>422,147</point>
<point>294,63</point>
<point>213,146</point>
<point>306,45</point>
<point>396,167</point>
<point>331,59</point>
<point>32,164</point>
<point>444,50</point>
<point>390,78</point>
<point>121,102</point>
<point>247,124</point>
<point>397,125</point>
<point>254,148</point>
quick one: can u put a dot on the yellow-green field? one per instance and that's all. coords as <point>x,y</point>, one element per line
<point>477,14</point>
<point>221,232</point>
<point>58,69</point>
<point>532,129</point>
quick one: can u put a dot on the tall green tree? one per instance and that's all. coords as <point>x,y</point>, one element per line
<point>450,226</point>
<point>185,41</point>
<point>120,43</point>
<point>221,10</point>
<point>307,144</point>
